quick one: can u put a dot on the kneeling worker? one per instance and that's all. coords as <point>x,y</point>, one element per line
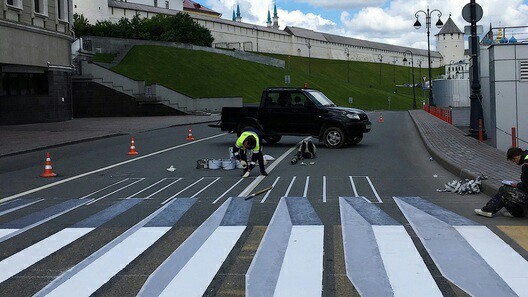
<point>249,140</point>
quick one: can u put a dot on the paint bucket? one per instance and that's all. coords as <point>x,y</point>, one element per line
<point>215,164</point>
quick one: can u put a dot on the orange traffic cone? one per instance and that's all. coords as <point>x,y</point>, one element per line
<point>132,150</point>
<point>381,119</point>
<point>189,135</point>
<point>48,171</point>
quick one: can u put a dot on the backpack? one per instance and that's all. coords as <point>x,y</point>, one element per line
<point>306,150</point>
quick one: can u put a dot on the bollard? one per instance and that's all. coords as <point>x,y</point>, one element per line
<point>514,137</point>
<point>480,130</point>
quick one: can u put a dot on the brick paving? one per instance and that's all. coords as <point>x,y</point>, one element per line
<point>462,154</point>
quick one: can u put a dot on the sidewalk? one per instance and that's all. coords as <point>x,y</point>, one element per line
<point>24,138</point>
<point>463,155</point>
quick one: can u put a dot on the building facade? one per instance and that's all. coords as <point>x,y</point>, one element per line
<point>35,61</point>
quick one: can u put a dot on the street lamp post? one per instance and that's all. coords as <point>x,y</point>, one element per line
<point>412,69</point>
<point>309,57</point>
<point>347,52</point>
<point>394,69</point>
<point>439,25</point>
<point>255,29</point>
<point>380,58</point>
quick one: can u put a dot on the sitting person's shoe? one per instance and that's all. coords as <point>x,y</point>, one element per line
<point>480,212</point>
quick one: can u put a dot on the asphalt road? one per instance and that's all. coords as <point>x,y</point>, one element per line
<point>391,161</point>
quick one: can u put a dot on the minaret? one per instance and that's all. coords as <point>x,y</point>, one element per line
<point>268,23</point>
<point>238,17</point>
<point>275,17</point>
<point>234,17</point>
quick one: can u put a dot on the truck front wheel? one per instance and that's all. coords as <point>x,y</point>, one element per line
<point>334,137</point>
<point>272,139</point>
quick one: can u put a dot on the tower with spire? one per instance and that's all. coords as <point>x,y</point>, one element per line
<point>268,22</point>
<point>275,17</point>
<point>450,42</point>
<point>238,16</point>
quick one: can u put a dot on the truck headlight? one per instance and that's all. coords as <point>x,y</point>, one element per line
<point>353,116</point>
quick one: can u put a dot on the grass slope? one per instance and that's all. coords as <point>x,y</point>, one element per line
<point>202,74</point>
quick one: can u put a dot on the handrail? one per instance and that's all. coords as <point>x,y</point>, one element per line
<point>444,114</point>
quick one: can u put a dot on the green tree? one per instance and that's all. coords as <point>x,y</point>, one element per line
<point>81,26</point>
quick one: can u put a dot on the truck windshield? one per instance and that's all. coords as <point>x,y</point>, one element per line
<point>321,99</point>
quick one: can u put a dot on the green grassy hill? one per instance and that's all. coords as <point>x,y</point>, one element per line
<point>203,74</point>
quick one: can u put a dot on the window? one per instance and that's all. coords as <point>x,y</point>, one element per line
<point>167,4</point>
<point>523,66</point>
<point>40,6</point>
<point>19,84</point>
<point>155,3</point>
<point>62,9</point>
<point>15,3</point>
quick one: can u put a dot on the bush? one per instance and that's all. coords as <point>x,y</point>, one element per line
<point>178,28</point>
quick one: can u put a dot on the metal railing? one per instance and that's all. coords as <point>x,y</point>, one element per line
<point>444,114</point>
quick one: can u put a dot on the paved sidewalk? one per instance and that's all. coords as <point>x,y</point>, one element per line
<point>463,155</point>
<point>24,138</point>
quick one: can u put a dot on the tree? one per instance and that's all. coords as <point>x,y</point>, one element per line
<point>81,26</point>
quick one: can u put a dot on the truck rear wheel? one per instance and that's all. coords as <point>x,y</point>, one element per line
<point>272,139</point>
<point>334,137</point>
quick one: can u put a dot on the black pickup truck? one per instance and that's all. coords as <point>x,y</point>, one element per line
<point>299,112</point>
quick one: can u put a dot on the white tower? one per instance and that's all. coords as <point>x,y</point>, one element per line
<point>450,42</point>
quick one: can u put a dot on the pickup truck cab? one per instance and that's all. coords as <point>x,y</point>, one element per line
<point>299,112</point>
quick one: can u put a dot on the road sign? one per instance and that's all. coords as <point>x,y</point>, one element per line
<point>466,12</point>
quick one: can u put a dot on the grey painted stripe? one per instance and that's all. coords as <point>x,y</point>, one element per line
<point>364,265</point>
<point>93,257</point>
<point>41,217</point>
<point>302,212</point>
<point>237,213</point>
<point>172,214</point>
<point>453,255</point>
<point>16,205</point>
<point>371,213</point>
<point>164,274</point>
<point>106,215</point>
<point>442,214</point>
<point>263,274</point>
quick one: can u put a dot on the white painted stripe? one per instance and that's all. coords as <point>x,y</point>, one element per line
<point>302,268</point>
<point>374,189</point>
<point>19,207</point>
<point>163,188</point>
<point>289,187</point>
<point>205,187</point>
<point>324,188</point>
<point>508,264</point>
<point>145,188</point>
<point>406,270</point>
<point>194,278</point>
<point>106,168</point>
<point>269,192</point>
<point>113,192</point>
<point>353,186</point>
<point>40,250</point>
<point>4,232</point>
<point>99,272</point>
<point>186,188</point>
<point>86,196</point>
<point>306,184</point>
<point>227,191</point>
<point>259,178</point>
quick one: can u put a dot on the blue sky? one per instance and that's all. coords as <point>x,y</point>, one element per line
<point>388,21</point>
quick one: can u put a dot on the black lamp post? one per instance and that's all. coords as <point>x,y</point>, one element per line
<point>309,57</point>
<point>439,25</point>
<point>347,52</point>
<point>412,69</point>
<point>255,29</point>
<point>380,58</point>
<point>394,69</point>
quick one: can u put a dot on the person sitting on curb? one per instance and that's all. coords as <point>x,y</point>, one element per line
<point>512,197</point>
<point>249,140</point>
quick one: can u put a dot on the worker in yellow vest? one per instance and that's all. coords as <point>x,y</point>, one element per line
<point>249,140</point>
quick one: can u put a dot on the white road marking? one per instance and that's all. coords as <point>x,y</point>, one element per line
<point>374,189</point>
<point>508,264</point>
<point>353,186</point>
<point>306,186</point>
<point>95,200</point>
<point>145,189</point>
<point>189,186</point>
<point>205,187</point>
<point>106,168</point>
<point>324,188</point>
<point>289,187</point>
<point>227,191</point>
<point>4,232</point>
<point>194,278</point>
<point>84,197</point>
<point>269,192</point>
<point>299,277</point>
<point>19,207</point>
<point>177,180</point>
<point>406,270</point>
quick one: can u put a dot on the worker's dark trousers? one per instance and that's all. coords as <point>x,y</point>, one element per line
<point>510,198</point>
<point>260,159</point>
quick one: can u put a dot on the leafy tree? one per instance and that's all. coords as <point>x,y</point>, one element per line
<point>81,26</point>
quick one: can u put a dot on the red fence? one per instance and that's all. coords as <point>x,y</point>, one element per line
<point>441,113</point>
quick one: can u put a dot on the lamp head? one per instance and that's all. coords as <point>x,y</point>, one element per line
<point>417,24</point>
<point>404,60</point>
<point>439,24</point>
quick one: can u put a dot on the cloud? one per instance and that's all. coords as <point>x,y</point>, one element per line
<point>344,4</point>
